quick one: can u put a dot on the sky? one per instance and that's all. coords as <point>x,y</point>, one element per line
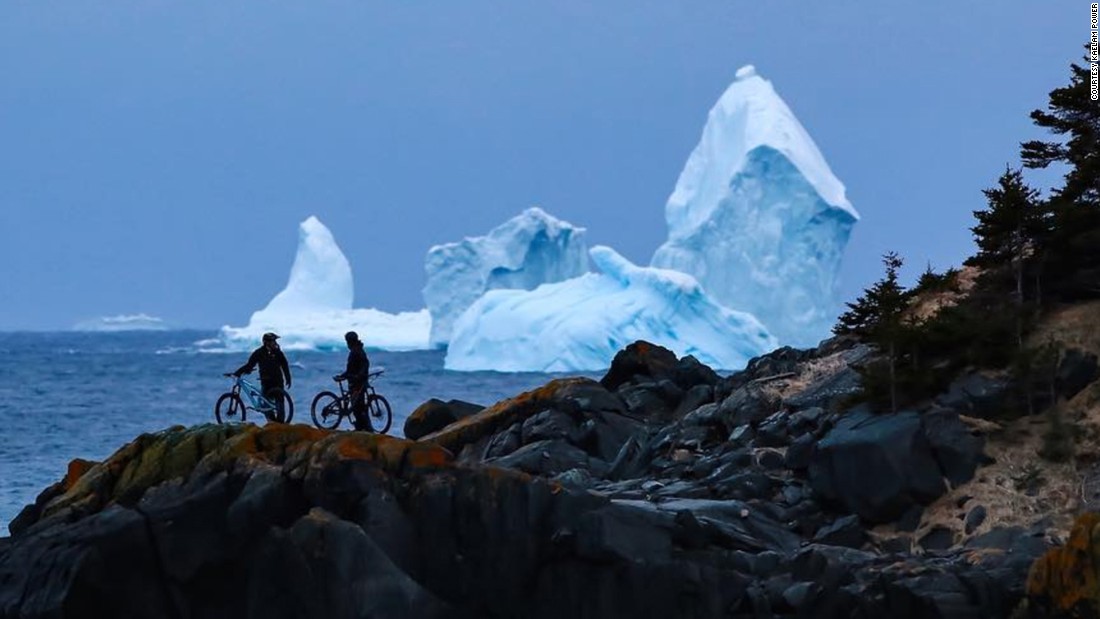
<point>156,156</point>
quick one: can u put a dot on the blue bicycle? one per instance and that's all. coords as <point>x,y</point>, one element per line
<point>230,407</point>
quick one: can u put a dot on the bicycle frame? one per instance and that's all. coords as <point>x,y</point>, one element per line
<point>256,399</point>
<point>345,394</point>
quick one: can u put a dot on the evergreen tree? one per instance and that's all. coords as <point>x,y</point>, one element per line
<point>1071,113</point>
<point>1009,230</point>
<point>931,281</point>
<point>876,317</point>
<point>1009,234</point>
<point>1073,249</point>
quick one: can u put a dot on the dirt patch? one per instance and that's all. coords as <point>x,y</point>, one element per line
<point>805,374</point>
<point>928,304</point>
<point>1073,326</point>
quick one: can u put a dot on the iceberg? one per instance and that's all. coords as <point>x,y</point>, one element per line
<point>579,324</point>
<point>757,216</point>
<point>123,322</point>
<point>315,309</point>
<point>523,253</point>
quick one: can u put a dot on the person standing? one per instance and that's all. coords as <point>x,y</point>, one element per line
<point>356,373</point>
<point>273,368</point>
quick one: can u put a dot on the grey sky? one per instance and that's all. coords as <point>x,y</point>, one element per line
<point>157,156</point>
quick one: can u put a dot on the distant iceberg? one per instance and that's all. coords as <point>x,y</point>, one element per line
<point>579,324</point>
<point>758,217</point>
<point>123,322</point>
<point>525,252</point>
<point>314,310</point>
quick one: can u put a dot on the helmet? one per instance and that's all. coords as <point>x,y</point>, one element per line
<point>270,337</point>
<point>351,336</point>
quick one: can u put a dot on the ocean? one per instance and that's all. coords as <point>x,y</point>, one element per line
<point>66,395</point>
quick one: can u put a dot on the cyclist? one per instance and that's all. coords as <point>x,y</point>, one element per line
<point>273,367</point>
<point>358,368</point>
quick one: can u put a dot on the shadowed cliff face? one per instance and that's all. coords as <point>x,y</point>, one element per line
<point>663,490</point>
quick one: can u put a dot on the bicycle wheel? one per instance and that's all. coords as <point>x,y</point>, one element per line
<point>380,414</point>
<point>287,407</point>
<point>229,408</point>
<point>326,410</point>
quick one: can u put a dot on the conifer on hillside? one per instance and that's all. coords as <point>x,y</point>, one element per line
<point>1073,247</point>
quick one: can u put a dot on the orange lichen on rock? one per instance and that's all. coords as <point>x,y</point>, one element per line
<point>1066,579</point>
<point>77,468</point>
<point>272,442</point>
<point>141,463</point>
<point>174,453</point>
<point>500,415</point>
<point>390,453</point>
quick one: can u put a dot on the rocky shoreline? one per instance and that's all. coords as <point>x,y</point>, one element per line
<point>663,490</point>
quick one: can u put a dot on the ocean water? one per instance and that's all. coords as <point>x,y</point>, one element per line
<point>72,395</point>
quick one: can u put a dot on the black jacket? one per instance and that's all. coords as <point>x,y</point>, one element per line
<point>273,366</point>
<point>358,367</point>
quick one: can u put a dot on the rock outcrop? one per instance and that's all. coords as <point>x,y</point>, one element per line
<point>661,490</point>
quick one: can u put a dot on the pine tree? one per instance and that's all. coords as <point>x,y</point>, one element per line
<point>877,317</point>
<point>931,282</point>
<point>1008,230</point>
<point>1072,113</point>
<point>1009,234</point>
<point>1073,249</point>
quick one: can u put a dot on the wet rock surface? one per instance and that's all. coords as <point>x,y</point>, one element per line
<point>661,490</point>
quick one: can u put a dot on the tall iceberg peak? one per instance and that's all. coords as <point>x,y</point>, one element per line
<point>320,277</point>
<point>579,324</point>
<point>315,309</point>
<point>758,217</point>
<point>526,251</point>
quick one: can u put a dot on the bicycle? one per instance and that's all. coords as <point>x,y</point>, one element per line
<point>329,409</point>
<point>230,405</point>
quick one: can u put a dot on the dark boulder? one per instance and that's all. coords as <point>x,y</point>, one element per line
<point>974,518</point>
<point>956,449</point>
<point>549,424</point>
<point>435,414</point>
<point>846,531</point>
<point>550,457</point>
<point>346,575</point>
<point>699,395</point>
<point>806,420</point>
<point>876,466</point>
<point>938,538</point>
<point>750,404</point>
<point>744,485</point>
<point>503,443</point>
<point>648,402</point>
<point>103,565</point>
<point>690,372</point>
<point>783,360</point>
<point>977,395</point>
<point>639,359</point>
<point>772,432</point>
<point>800,452</point>
<point>1075,372</point>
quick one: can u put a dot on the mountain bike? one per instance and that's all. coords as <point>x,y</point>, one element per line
<point>231,407</point>
<point>329,409</point>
